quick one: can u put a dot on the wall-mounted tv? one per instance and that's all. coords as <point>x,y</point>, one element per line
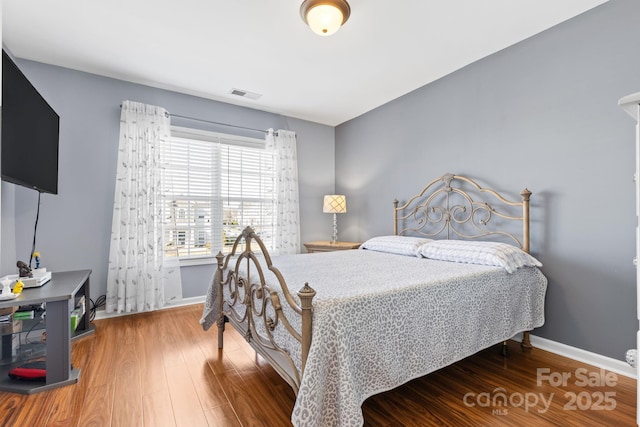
<point>30,131</point>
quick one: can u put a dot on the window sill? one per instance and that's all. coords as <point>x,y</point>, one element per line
<point>190,262</point>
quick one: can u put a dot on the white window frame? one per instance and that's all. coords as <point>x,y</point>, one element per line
<point>186,134</point>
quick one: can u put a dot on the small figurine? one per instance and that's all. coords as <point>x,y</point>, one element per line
<point>17,288</point>
<point>23,269</point>
<point>36,256</point>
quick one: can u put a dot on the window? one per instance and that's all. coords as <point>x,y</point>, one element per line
<point>214,185</point>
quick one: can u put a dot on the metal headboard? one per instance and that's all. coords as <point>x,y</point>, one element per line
<point>454,205</point>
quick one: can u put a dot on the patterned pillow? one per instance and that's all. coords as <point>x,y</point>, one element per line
<point>400,245</point>
<point>477,252</point>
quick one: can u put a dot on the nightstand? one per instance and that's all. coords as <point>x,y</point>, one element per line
<point>327,246</point>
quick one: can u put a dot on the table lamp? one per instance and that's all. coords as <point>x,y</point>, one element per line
<point>335,204</point>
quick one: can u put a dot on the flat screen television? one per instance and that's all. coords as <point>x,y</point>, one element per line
<point>30,133</point>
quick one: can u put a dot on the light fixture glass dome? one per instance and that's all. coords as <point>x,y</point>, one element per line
<point>325,17</point>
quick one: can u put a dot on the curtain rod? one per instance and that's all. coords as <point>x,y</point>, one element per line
<point>217,123</point>
<point>214,123</point>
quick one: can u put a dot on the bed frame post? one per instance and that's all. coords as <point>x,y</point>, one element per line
<point>395,217</point>
<point>526,195</point>
<point>219,279</point>
<point>306,295</point>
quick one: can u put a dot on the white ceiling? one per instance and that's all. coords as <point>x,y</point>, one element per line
<point>206,48</point>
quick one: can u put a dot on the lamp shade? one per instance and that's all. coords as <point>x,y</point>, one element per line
<point>334,203</point>
<point>325,17</point>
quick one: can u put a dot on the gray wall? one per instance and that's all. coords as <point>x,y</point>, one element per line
<point>75,225</point>
<point>542,114</point>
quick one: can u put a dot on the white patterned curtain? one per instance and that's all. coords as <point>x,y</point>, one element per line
<point>287,238</point>
<point>138,272</point>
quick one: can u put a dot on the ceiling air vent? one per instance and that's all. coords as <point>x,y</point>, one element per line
<point>245,93</point>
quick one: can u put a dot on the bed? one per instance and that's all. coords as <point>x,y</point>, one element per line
<point>451,280</point>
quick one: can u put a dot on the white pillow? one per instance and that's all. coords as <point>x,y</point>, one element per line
<point>478,252</point>
<point>400,245</point>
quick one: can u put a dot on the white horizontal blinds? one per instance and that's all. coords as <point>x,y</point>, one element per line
<point>192,198</point>
<point>214,186</point>
<point>248,191</point>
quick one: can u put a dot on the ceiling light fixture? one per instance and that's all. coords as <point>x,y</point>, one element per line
<point>325,17</point>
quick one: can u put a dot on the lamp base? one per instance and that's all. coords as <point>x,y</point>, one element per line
<point>334,237</point>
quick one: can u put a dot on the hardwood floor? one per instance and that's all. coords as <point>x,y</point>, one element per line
<point>160,369</point>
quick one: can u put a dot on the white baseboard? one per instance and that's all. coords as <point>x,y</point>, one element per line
<point>584,356</point>
<point>101,314</point>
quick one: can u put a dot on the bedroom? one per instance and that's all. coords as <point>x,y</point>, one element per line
<point>541,114</point>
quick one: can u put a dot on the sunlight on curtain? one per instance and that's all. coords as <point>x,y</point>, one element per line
<point>287,238</point>
<point>139,277</point>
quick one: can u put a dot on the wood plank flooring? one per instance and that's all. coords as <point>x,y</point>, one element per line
<point>161,369</point>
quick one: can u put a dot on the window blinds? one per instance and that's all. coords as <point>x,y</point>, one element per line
<point>212,189</point>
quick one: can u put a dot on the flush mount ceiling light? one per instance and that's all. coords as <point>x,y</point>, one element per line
<point>325,17</point>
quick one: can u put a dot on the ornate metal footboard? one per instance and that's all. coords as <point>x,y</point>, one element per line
<point>255,310</point>
<point>456,206</point>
